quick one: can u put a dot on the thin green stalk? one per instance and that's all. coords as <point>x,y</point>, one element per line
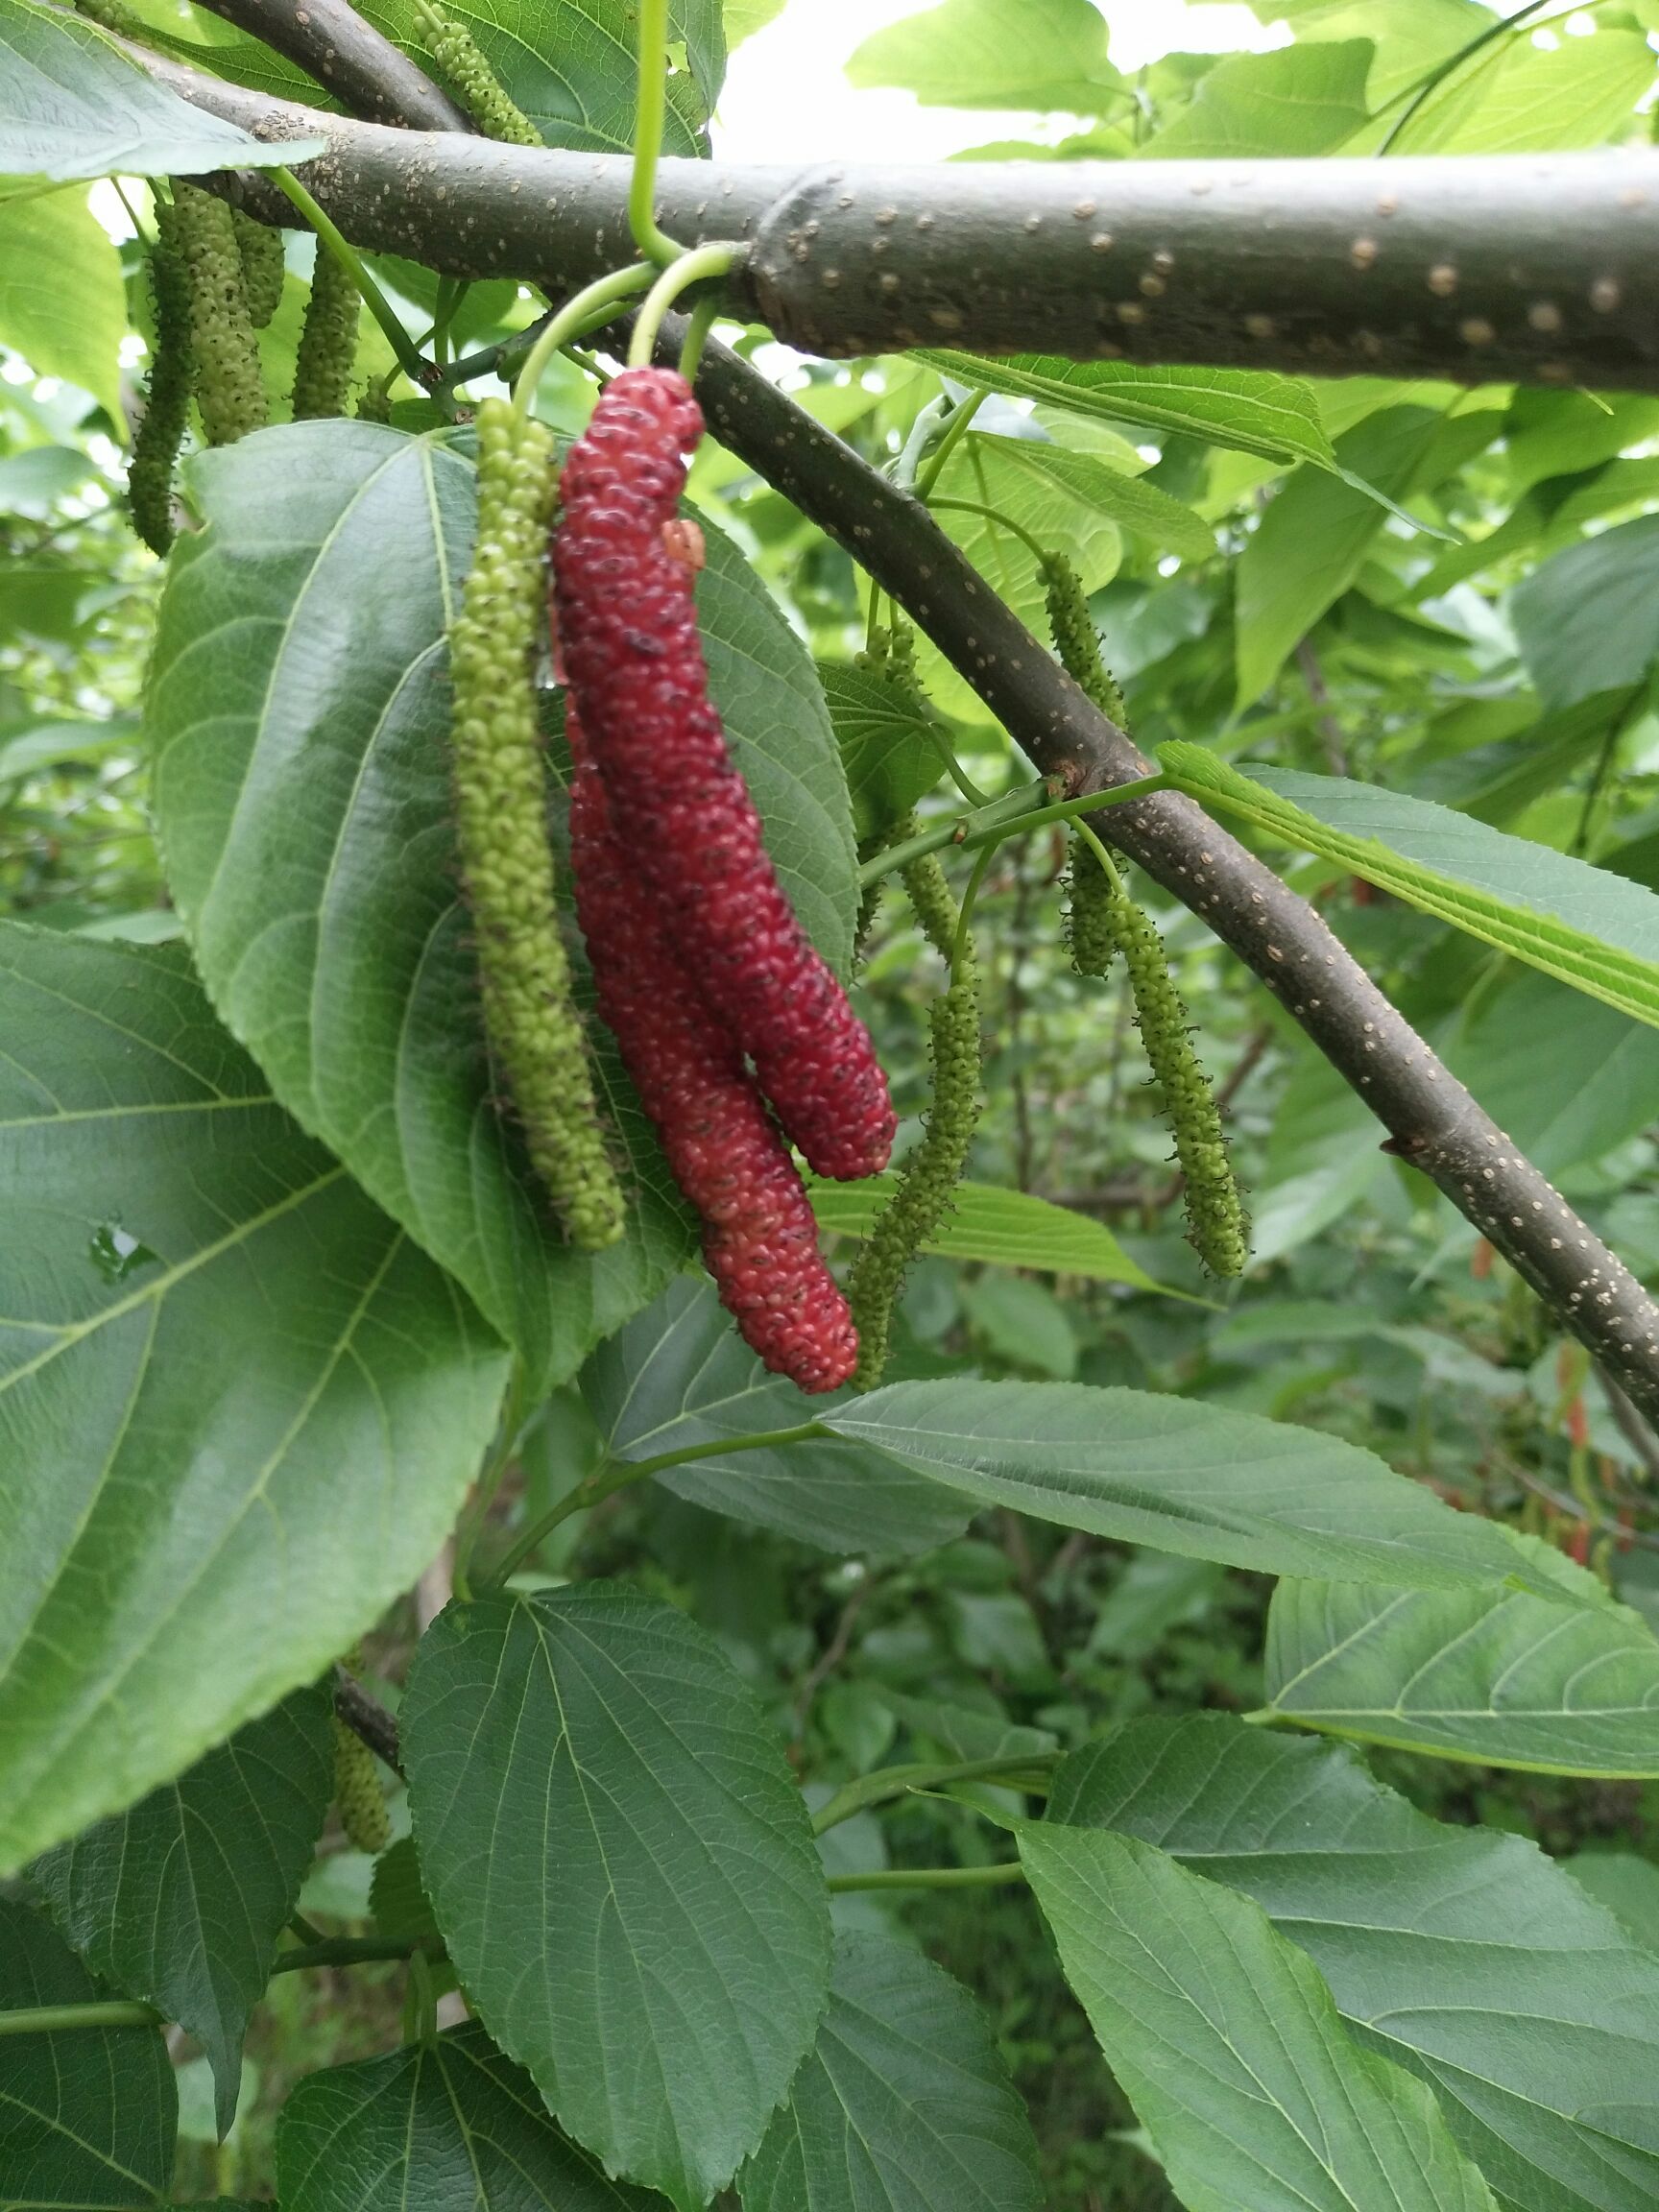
<point>697,337</point>
<point>613,1475</point>
<point>1438,76</point>
<point>927,420</point>
<point>898,1781</point>
<point>408,354</point>
<point>962,950</point>
<point>570,322</point>
<point>1107,863</point>
<point>1014,813</point>
<point>702,262</point>
<point>652,99</point>
<point>992,514</point>
<point>57,2019</point>
<point>929,475</point>
<point>929,1878</point>
<point>345,1950</point>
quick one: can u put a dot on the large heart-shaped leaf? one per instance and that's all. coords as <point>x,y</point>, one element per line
<point>1584,926</point>
<point>1229,2046</point>
<point>623,1869</point>
<point>180,1901</point>
<point>86,2117</point>
<point>298,710</point>
<point>429,2129</point>
<point>903,2104</point>
<point>1493,1676</point>
<point>1462,1953</point>
<point>1184,1476</point>
<point>237,1408</point>
<point>72,105</point>
<point>678,1378</point>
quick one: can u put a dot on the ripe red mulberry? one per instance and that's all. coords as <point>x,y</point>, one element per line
<point>759,1238</point>
<point>628,631</point>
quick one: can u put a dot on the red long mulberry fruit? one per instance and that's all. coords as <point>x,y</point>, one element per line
<point>628,629</point>
<point>759,1238</point>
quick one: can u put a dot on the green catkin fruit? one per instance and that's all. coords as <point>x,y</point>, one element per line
<point>462,61</point>
<point>502,821</point>
<point>167,401</point>
<point>1217,1226</point>
<point>327,341</point>
<point>263,266</point>
<point>1075,638</point>
<point>375,401</point>
<point>357,1793</point>
<point>230,391</point>
<point>927,1177</point>
<point>1091,927</point>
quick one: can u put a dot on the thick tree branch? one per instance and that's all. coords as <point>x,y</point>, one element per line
<point>349,58</point>
<point>455,205</point>
<point>1534,267</point>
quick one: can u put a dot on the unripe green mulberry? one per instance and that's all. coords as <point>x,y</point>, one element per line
<point>166,404</point>
<point>461,58</point>
<point>1217,1227</point>
<point>1091,920</point>
<point>1075,638</point>
<point>889,655</point>
<point>357,1793</point>
<point>927,1176</point>
<point>229,391</point>
<point>327,341</point>
<point>501,822</point>
<point>375,401</point>
<point>263,266</point>
<point>930,899</point>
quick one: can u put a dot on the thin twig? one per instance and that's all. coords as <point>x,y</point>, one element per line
<point>366,1716</point>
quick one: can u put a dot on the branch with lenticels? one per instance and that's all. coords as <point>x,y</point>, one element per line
<point>381,187</point>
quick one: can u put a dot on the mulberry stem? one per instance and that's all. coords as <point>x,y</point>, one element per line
<point>501,802</point>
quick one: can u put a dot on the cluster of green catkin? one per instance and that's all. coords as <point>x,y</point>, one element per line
<point>327,341</point>
<point>929,1173</point>
<point>357,1793</point>
<point>199,227</point>
<point>1102,920</point>
<point>530,1015</point>
<point>461,58</point>
<point>1217,1226</point>
<point>166,403</point>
